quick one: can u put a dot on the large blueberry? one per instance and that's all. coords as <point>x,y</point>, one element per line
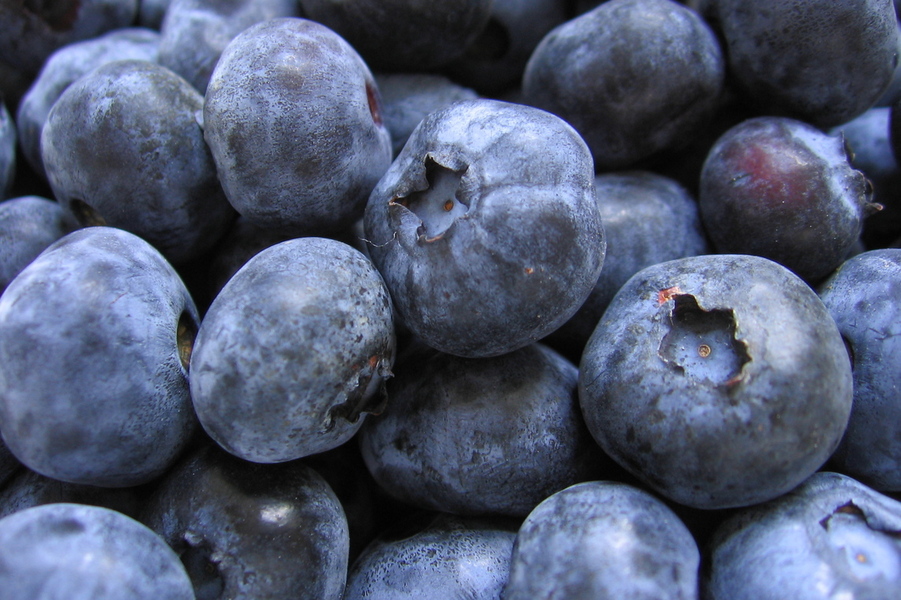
<point>293,118</point>
<point>601,539</point>
<point>451,557</point>
<point>248,531</point>
<point>485,227</point>
<point>476,436</point>
<point>122,146</point>
<point>293,351</point>
<point>782,189</point>
<point>95,342</point>
<point>635,77</point>
<point>28,224</point>
<point>79,552</point>
<point>718,380</point>
<point>830,538</point>
<point>863,298</point>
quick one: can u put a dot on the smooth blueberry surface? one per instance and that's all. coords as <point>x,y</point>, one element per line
<point>194,33</point>
<point>486,228</point>
<point>475,436</point>
<point>122,146</point>
<point>79,552</point>
<point>28,225</point>
<point>8,140</point>
<point>634,77</point>
<point>95,343</point>
<point>293,119</point>
<point>450,557</point>
<point>403,35</point>
<point>293,351</point>
<point>823,61</point>
<point>832,537</point>
<point>782,189</point>
<point>862,296</point>
<point>601,539</point>
<point>248,531</point>
<point>718,380</point>
<point>66,65</point>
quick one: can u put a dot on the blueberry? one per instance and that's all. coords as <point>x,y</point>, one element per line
<point>634,77</point>
<point>601,539</point>
<point>823,62</point>
<point>81,552</point>
<point>832,537</point>
<point>782,189</point>
<point>476,436</point>
<point>293,118</point>
<point>95,340</point>
<point>718,380</point>
<point>403,35</point>
<point>485,227</point>
<point>68,64</point>
<point>451,557</point>
<point>8,139</point>
<point>28,225</point>
<point>293,351</point>
<point>152,12</point>
<point>193,33</point>
<point>245,530</point>
<point>122,147</point>
<point>862,296</point>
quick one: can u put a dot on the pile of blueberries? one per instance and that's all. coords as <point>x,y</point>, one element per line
<point>510,299</point>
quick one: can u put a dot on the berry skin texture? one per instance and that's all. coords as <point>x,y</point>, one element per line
<point>293,351</point>
<point>719,380</point>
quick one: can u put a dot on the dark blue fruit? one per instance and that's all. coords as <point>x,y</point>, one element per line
<point>28,224</point>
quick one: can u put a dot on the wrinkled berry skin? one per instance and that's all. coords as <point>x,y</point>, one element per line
<point>823,61</point>
<point>403,35</point>
<point>634,77</point>
<point>292,352</point>
<point>95,338</point>
<point>247,531</point>
<point>718,380</point>
<point>122,147</point>
<point>485,227</point>
<point>476,436</point>
<point>779,188</point>
<point>862,296</point>
<point>451,557</point>
<point>292,116</point>
<point>832,537</point>
<point>28,224</point>
<point>194,32</point>
<point>66,65</point>
<point>603,539</point>
<point>81,552</point>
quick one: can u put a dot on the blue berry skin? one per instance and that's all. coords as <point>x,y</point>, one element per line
<point>477,436</point>
<point>65,66</point>
<point>293,351</point>
<point>648,219</point>
<point>634,77</point>
<point>451,557</point>
<point>832,537</point>
<point>719,381</point>
<point>248,531</point>
<point>28,225</point>
<point>293,119</point>
<point>601,539</point>
<point>95,338</point>
<point>79,552</point>
<point>782,189</point>
<point>194,32</point>
<point>403,35</point>
<point>823,61</point>
<point>862,296</point>
<point>486,228</point>
<point>8,140</point>
<point>122,147</point>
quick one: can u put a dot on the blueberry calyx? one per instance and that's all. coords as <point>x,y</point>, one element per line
<point>439,205</point>
<point>703,343</point>
<point>201,565</point>
<point>185,333</point>
<point>863,544</point>
<point>366,396</point>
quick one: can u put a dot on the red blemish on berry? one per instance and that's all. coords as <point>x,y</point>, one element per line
<point>664,296</point>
